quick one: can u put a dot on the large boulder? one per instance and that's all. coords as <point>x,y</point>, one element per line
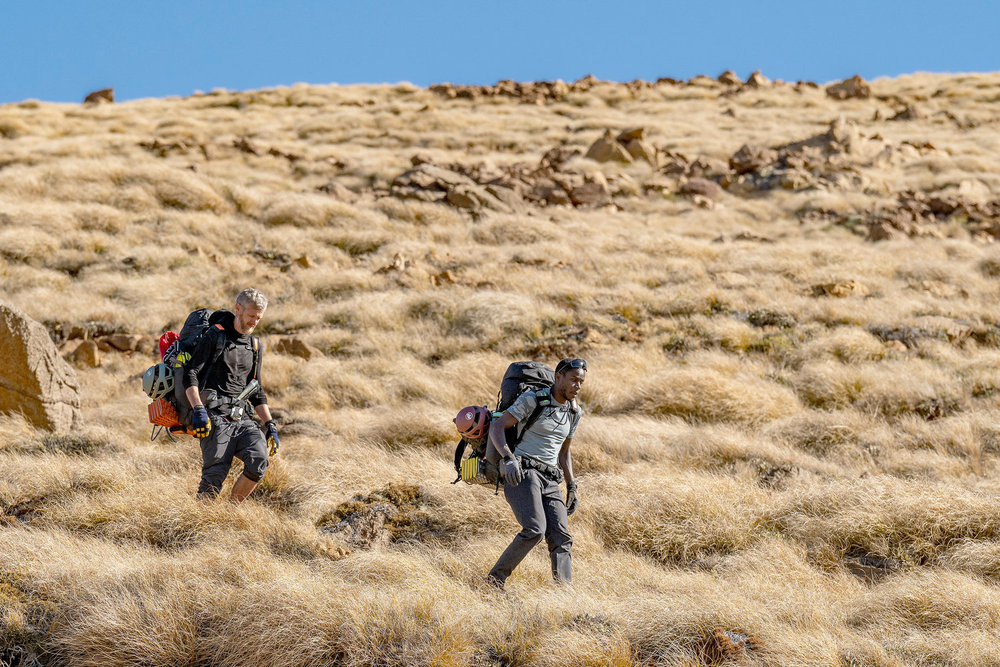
<point>34,379</point>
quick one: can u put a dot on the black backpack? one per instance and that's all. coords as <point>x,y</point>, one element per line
<point>483,460</point>
<point>198,330</point>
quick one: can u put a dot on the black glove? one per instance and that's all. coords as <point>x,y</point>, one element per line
<point>201,425</point>
<point>511,469</point>
<point>271,434</point>
<point>571,498</point>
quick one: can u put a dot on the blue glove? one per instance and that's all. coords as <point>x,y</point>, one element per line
<point>512,473</point>
<point>271,434</point>
<point>201,425</point>
<point>571,498</point>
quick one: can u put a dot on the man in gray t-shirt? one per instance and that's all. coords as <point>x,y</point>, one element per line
<point>531,479</point>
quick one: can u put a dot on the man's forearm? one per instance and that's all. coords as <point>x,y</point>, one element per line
<point>193,395</point>
<point>263,412</point>
<point>499,440</point>
<point>566,465</point>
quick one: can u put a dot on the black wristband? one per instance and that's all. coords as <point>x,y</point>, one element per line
<point>571,486</point>
<point>270,422</point>
<point>508,458</point>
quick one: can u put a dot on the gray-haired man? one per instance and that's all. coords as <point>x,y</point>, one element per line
<point>531,480</point>
<point>222,366</point>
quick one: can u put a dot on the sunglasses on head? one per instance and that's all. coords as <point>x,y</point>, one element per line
<point>573,363</point>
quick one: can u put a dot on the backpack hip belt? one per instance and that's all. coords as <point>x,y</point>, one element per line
<point>553,473</point>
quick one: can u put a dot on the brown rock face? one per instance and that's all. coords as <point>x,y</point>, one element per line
<point>87,353</point>
<point>103,96</point>
<point>853,88</point>
<point>34,379</point>
<point>297,348</point>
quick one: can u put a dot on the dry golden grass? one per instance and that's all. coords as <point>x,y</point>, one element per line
<point>762,458</point>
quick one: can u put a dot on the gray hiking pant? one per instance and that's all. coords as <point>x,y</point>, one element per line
<point>228,440</point>
<point>540,509</point>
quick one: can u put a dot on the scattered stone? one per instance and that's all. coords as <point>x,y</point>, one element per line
<point>103,96</point>
<point>729,78</point>
<point>764,317</point>
<point>757,80</point>
<point>703,81</point>
<point>446,277</point>
<point>839,290</point>
<point>909,112</point>
<point>34,379</point>
<point>88,354</point>
<point>751,157</point>
<point>297,347</point>
<point>339,192</point>
<point>703,187</point>
<point>852,88</point>
<point>625,136</point>
<point>304,262</point>
<point>421,158</point>
<point>641,150</point>
<point>593,193</point>
<point>908,336</point>
<point>895,346</point>
<point>606,149</point>
<point>124,342</point>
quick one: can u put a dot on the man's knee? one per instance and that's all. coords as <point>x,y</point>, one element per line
<point>255,461</point>
<point>530,536</point>
<point>558,540</point>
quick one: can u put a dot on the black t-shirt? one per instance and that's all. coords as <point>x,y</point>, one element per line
<point>232,372</point>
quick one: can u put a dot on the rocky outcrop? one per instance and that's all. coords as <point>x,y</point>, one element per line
<point>848,89</point>
<point>34,379</point>
<point>103,96</point>
<point>531,92</point>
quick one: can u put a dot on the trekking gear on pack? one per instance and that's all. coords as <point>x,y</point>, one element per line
<point>201,425</point>
<point>520,376</point>
<point>572,500</point>
<point>511,468</point>
<point>473,422</point>
<point>271,435</point>
<point>158,381</point>
<point>172,410</point>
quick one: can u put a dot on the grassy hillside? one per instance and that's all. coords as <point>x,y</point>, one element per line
<point>791,444</point>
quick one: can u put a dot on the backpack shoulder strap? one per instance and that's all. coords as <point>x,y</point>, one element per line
<point>543,399</point>
<point>255,343</point>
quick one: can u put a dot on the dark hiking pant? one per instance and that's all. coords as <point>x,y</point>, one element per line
<point>540,509</point>
<point>228,440</point>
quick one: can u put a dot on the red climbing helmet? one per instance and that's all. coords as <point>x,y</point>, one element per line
<point>472,422</point>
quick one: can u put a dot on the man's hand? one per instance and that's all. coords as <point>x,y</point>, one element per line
<point>271,434</point>
<point>201,425</point>
<point>512,473</point>
<point>571,498</point>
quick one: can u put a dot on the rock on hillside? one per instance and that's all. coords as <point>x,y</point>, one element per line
<point>34,379</point>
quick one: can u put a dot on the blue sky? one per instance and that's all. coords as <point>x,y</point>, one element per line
<point>59,51</point>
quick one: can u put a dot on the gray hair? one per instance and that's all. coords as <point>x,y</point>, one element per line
<point>251,296</point>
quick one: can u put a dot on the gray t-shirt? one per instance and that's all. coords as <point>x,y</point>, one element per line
<point>545,437</point>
